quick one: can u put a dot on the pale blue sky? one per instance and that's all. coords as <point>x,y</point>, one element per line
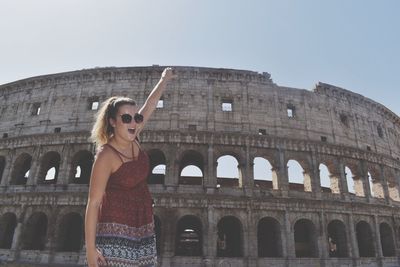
<point>353,44</point>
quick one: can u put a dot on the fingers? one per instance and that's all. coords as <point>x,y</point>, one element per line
<point>102,260</point>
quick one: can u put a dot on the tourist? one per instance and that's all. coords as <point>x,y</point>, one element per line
<point>119,226</point>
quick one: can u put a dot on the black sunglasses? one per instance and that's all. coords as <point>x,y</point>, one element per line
<point>127,118</point>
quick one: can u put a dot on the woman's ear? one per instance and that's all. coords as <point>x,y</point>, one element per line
<point>112,122</point>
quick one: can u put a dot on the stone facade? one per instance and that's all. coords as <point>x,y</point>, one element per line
<point>207,220</point>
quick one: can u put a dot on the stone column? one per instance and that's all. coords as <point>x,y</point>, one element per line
<point>172,169</point>
<point>385,186</point>
<point>248,174</point>
<point>35,168</point>
<point>377,243</point>
<point>17,236</point>
<point>323,240</point>
<point>6,176</point>
<point>342,183</point>
<point>351,233</point>
<point>365,180</point>
<point>315,180</point>
<point>64,168</point>
<point>290,244</point>
<point>211,177</point>
<point>282,175</point>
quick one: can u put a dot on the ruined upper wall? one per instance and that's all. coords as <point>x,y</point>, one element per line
<point>194,101</point>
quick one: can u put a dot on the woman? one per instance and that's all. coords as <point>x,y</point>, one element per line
<point>119,227</point>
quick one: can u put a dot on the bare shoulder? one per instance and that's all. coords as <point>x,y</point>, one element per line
<point>107,159</point>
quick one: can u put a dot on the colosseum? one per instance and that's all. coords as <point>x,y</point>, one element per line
<point>244,172</point>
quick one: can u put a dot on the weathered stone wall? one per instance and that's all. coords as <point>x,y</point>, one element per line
<point>328,125</point>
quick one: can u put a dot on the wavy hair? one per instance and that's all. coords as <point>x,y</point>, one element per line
<point>102,130</point>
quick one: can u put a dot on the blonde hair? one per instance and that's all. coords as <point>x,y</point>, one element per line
<point>102,130</point>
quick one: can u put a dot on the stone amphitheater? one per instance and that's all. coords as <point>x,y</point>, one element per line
<point>348,215</point>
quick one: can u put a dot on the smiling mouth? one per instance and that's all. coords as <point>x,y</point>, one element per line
<point>131,130</point>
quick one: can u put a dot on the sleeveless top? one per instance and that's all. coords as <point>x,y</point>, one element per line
<point>125,228</point>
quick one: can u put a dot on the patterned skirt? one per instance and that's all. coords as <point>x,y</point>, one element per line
<point>125,246</point>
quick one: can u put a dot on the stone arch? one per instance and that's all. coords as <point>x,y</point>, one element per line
<point>35,232</point>
<point>158,232</point>
<point>337,240</point>
<point>81,167</point>
<point>269,238</point>
<point>157,167</point>
<point>8,223</point>
<point>2,166</point>
<point>229,171</point>
<point>264,173</point>
<point>21,169</point>
<point>356,177</point>
<point>387,240</point>
<point>392,184</point>
<point>375,182</point>
<point>324,176</point>
<point>70,233</point>
<point>305,239</point>
<point>365,240</point>
<point>49,168</point>
<point>230,237</point>
<point>299,179</point>
<point>349,180</point>
<point>191,168</point>
<point>331,176</point>
<point>189,236</point>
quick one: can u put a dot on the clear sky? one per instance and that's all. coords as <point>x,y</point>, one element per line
<point>354,44</point>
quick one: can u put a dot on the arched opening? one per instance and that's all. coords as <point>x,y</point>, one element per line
<point>81,167</point>
<point>297,177</point>
<point>2,166</point>
<point>349,179</point>
<point>70,233</point>
<point>393,189</point>
<point>269,238</point>
<point>189,241</point>
<point>337,241</point>
<point>157,230</point>
<point>365,240</point>
<point>325,179</point>
<point>49,168</point>
<point>8,223</point>
<point>229,239</point>
<point>21,168</point>
<point>35,231</point>
<point>375,185</point>
<point>229,173</point>
<point>157,167</point>
<point>191,168</point>
<point>305,239</point>
<point>263,174</point>
<point>387,240</point>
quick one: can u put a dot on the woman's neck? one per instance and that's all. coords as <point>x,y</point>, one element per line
<point>121,144</point>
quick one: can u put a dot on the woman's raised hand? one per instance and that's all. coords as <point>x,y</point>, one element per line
<point>168,74</point>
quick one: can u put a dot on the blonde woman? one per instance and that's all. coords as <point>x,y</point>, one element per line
<point>119,227</point>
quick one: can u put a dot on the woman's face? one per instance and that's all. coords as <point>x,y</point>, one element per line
<point>125,130</point>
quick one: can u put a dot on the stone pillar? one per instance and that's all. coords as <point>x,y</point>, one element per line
<point>385,186</point>
<point>377,243</point>
<point>6,176</point>
<point>35,169</point>
<point>315,180</point>
<point>323,240</point>
<point>342,183</point>
<point>351,233</point>
<point>365,182</point>
<point>282,175</point>
<point>211,177</point>
<point>289,236</point>
<point>172,168</point>
<point>248,172</point>
<point>64,168</point>
<point>17,236</point>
